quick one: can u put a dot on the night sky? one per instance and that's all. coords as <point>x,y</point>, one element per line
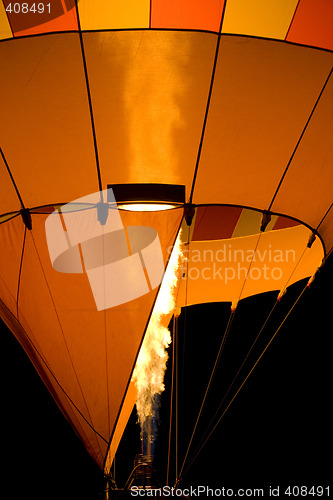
<point>276,432</point>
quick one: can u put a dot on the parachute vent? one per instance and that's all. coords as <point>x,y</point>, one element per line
<point>173,194</point>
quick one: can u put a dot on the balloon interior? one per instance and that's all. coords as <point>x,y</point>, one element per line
<point>154,156</point>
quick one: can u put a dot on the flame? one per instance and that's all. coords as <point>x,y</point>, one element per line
<point>151,364</point>
<point>155,118</point>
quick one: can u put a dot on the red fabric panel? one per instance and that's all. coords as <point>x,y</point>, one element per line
<point>283,222</point>
<point>312,24</point>
<point>187,14</point>
<point>215,222</point>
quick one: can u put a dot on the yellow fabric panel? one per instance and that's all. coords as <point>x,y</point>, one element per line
<point>224,270</point>
<point>249,222</point>
<point>262,18</point>
<point>5,217</point>
<point>310,173</point>
<point>148,112</point>
<point>263,94</point>
<point>5,31</point>
<point>45,122</point>
<point>114,14</point>
<point>272,222</point>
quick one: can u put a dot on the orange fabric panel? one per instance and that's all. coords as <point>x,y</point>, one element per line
<point>85,356</point>
<point>229,270</point>
<point>263,94</point>
<point>40,313</point>
<point>45,122</point>
<point>9,201</point>
<point>66,22</point>
<point>148,113</point>
<point>287,259</point>
<point>310,174</point>
<point>312,24</point>
<point>187,14</point>
<point>94,444</point>
<point>11,244</point>
<point>126,410</point>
